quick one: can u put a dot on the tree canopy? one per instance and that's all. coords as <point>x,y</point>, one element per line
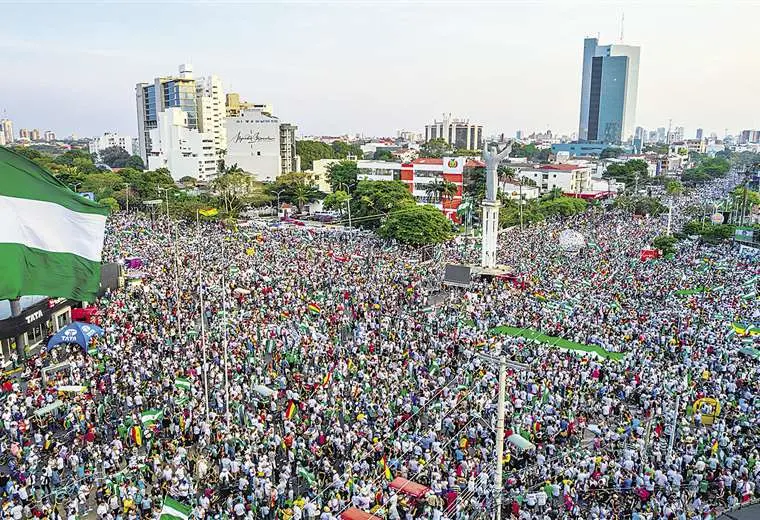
<point>342,150</point>
<point>310,151</point>
<point>611,152</point>
<point>343,172</point>
<point>417,225</point>
<point>628,172</point>
<point>373,200</point>
<point>115,156</point>
<point>436,148</point>
<point>295,187</point>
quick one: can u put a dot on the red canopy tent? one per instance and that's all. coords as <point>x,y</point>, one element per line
<point>647,254</point>
<point>410,488</point>
<point>357,514</point>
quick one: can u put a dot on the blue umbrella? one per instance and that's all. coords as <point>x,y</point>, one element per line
<point>76,332</point>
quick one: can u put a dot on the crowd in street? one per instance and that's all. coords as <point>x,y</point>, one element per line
<point>292,373</point>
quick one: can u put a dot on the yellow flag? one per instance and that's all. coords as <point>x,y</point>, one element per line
<point>209,212</point>
<point>249,251</point>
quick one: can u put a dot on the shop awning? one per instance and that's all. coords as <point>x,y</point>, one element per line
<point>357,514</point>
<point>408,487</point>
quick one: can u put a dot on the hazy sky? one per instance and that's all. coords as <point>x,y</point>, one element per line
<point>376,67</point>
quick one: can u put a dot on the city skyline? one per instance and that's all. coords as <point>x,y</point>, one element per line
<point>333,69</point>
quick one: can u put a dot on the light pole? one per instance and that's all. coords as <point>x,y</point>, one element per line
<point>278,202</point>
<point>501,403</point>
<point>76,186</point>
<point>163,190</point>
<point>127,186</point>
<point>348,191</point>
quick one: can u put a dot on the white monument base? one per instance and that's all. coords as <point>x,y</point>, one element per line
<point>490,233</point>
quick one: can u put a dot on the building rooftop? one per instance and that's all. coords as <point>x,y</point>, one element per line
<point>560,167</point>
<point>437,160</point>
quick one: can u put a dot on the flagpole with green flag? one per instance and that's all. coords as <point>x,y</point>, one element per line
<point>224,341</point>
<point>203,318</point>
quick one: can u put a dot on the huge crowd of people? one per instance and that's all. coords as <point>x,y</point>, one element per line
<point>293,373</point>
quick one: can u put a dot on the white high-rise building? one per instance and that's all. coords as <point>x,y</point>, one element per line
<point>609,92</point>
<point>211,109</point>
<point>108,140</point>
<point>202,100</point>
<point>186,152</point>
<point>6,131</point>
<point>253,143</point>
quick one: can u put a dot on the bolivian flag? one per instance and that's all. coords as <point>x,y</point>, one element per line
<point>210,212</point>
<point>290,410</point>
<point>135,432</point>
<point>326,380</point>
<point>314,308</point>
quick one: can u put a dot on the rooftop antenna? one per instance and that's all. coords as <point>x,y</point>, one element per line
<point>622,26</point>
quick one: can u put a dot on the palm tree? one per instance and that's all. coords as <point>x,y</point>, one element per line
<point>448,190</point>
<point>433,191</point>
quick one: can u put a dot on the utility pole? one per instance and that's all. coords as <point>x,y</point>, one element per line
<point>348,202</point>
<point>500,434</point>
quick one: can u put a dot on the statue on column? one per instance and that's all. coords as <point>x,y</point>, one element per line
<point>490,221</point>
<point>492,158</point>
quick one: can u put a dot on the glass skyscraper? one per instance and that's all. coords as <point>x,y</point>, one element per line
<point>609,90</point>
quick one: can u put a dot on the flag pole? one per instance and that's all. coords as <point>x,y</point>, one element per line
<point>224,342</point>
<point>203,318</point>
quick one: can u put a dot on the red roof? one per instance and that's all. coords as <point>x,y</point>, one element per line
<point>559,167</point>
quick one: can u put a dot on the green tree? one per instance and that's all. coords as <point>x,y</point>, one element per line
<point>311,151</point>
<point>383,154</point>
<point>296,187</point>
<point>342,173</point>
<point>236,189</point>
<point>188,181</point>
<point>666,244</point>
<point>674,188</point>
<point>628,172</point>
<point>68,157</point>
<point>435,148</point>
<point>611,152</point>
<point>103,185</point>
<point>563,206</point>
<point>418,226</point>
<point>336,201</point>
<point>135,162</point>
<point>111,203</point>
<point>341,150</point>
<point>374,200</point>
<point>115,156</point>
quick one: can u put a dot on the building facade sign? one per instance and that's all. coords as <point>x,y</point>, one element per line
<point>253,144</point>
<point>32,316</point>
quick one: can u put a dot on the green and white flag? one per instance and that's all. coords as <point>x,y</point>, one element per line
<point>151,416</point>
<point>183,383</point>
<point>51,239</point>
<point>173,510</point>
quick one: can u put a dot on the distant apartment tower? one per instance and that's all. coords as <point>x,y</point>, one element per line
<point>235,106</point>
<point>288,157</point>
<point>163,93</point>
<point>211,109</point>
<point>108,140</point>
<point>749,136</point>
<point>609,91</point>
<point>34,135</point>
<point>459,133</point>
<point>518,135</point>
<point>185,151</point>
<point>676,135</point>
<point>640,133</point>
<point>23,133</point>
<point>6,131</point>
<point>662,135</point>
<point>49,136</point>
<point>700,132</point>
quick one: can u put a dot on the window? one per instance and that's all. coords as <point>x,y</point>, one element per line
<point>258,153</point>
<point>61,320</point>
<point>35,334</point>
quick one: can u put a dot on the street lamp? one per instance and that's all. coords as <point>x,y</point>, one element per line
<point>278,201</point>
<point>76,186</point>
<point>348,191</point>
<point>161,189</point>
<point>127,185</point>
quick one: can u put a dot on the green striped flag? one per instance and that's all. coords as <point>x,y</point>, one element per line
<point>173,510</point>
<point>183,383</point>
<point>151,416</point>
<point>51,239</point>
